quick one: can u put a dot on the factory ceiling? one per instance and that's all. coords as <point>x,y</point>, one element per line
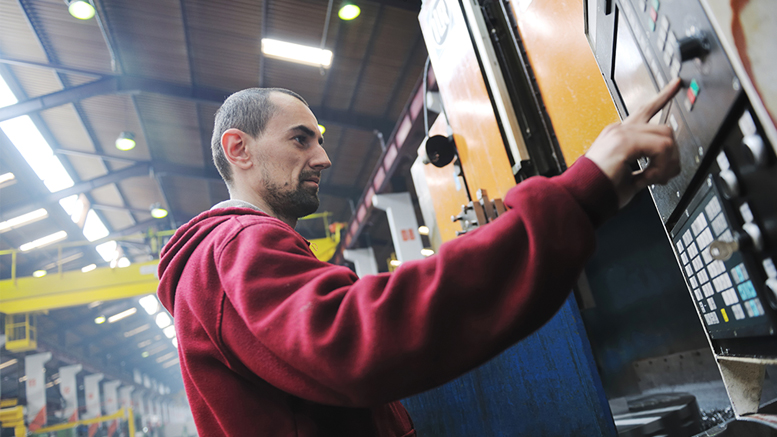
<point>159,69</point>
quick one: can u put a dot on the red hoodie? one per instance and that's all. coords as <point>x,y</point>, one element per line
<point>274,342</point>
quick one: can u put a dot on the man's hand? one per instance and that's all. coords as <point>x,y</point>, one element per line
<point>622,143</point>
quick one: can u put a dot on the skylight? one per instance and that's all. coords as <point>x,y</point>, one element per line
<point>34,148</point>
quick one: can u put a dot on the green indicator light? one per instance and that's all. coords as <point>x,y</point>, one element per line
<point>694,87</point>
<point>656,4</point>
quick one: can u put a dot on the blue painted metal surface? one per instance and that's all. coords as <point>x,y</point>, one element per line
<point>546,385</point>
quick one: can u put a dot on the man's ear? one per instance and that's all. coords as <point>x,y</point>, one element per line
<point>234,143</point>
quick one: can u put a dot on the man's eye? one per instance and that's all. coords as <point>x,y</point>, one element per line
<point>300,139</point>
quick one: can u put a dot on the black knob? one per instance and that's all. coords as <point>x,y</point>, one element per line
<point>729,183</point>
<point>755,150</point>
<point>691,47</point>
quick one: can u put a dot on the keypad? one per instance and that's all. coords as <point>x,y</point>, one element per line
<point>724,293</point>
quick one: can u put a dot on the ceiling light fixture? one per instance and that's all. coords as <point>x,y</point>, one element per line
<point>170,363</point>
<point>287,51</point>
<point>39,273</point>
<point>99,320</point>
<point>125,141</point>
<point>8,363</point>
<point>23,219</point>
<point>123,262</point>
<point>137,330</point>
<point>348,11</point>
<point>175,342</point>
<point>88,268</point>
<point>122,315</point>
<point>169,331</point>
<point>157,211</point>
<point>423,230</point>
<point>395,263</point>
<point>149,303</point>
<point>7,179</point>
<point>81,9</point>
<point>427,252</point>
<point>321,128</point>
<point>163,320</point>
<point>40,242</point>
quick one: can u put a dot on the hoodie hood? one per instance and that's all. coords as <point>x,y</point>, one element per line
<point>177,252</point>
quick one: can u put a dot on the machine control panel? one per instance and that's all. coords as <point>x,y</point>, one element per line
<point>721,211</point>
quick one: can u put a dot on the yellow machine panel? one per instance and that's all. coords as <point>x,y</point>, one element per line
<point>471,115</point>
<point>572,88</point>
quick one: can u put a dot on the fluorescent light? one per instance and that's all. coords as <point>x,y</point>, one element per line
<point>88,268</point>
<point>123,262</point>
<point>169,331</point>
<point>149,303</point>
<point>26,137</point>
<point>39,273</point>
<point>166,356</point>
<point>423,230</point>
<point>170,363</point>
<point>81,9</point>
<point>144,343</point>
<point>23,219</point>
<point>8,363</point>
<point>296,53</point>
<point>122,315</point>
<point>175,342</point>
<point>163,320</point>
<point>137,330</point>
<point>6,177</point>
<point>40,242</point>
<point>7,97</point>
<point>427,252</point>
<point>99,320</point>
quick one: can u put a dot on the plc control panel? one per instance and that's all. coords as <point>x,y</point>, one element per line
<point>721,211</point>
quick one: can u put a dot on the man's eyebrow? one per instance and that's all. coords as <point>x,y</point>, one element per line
<point>307,131</point>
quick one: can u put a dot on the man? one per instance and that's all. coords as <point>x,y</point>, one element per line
<point>274,342</point>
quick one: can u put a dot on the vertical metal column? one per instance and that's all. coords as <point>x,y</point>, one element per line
<point>35,387</point>
<point>69,390</point>
<point>363,260</point>
<point>403,224</point>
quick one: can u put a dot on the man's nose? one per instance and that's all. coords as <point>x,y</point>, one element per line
<point>321,160</point>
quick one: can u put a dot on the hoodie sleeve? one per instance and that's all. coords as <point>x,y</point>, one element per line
<point>320,333</point>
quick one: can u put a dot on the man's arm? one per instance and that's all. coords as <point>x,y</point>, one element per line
<point>318,332</point>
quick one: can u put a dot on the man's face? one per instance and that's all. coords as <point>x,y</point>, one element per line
<point>288,159</point>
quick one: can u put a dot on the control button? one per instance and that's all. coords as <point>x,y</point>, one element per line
<point>691,96</point>
<point>664,23</point>
<point>755,149</point>
<point>746,124</point>
<point>730,183</point>
<point>661,38</point>
<point>694,86</point>
<point>676,69</point>
<point>643,5</point>
<point>656,4</point>
<point>691,47</point>
<point>653,15</point>
<point>652,24</point>
<point>668,58</point>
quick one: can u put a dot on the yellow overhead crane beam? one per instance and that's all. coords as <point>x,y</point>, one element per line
<point>29,294</point>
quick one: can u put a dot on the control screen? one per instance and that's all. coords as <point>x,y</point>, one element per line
<point>631,74</point>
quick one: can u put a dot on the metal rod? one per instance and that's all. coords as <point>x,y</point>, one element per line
<point>326,30</point>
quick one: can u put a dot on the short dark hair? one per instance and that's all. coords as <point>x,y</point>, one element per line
<point>248,110</point>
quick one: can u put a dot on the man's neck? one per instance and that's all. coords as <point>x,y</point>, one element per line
<point>261,205</point>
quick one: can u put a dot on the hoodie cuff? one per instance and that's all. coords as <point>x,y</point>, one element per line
<point>595,192</point>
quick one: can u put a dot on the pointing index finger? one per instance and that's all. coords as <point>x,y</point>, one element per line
<point>645,113</point>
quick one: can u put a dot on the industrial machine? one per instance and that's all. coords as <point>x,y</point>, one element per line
<point>526,87</point>
<point>720,211</point>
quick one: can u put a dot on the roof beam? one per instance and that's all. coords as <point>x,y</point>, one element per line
<point>135,85</point>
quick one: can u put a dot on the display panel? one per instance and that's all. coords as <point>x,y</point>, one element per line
<point>630,73</point>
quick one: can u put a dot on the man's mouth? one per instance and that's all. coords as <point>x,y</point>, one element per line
<point>313,180</point>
